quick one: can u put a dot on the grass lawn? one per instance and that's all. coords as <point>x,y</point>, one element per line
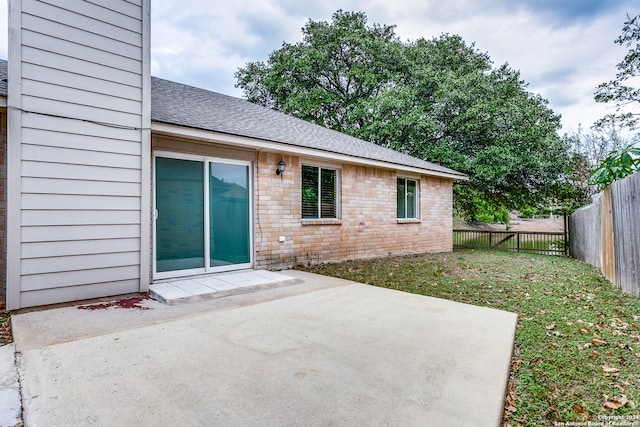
<point>577,351</point>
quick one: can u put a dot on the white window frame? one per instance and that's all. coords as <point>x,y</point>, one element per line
<point>338,192</point>
<point>416,199</point>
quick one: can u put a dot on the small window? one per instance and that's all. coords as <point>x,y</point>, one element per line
<point>407,198</point>
<point>319,193</point>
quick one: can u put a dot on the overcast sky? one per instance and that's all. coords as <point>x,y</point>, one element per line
<point>563,48</point>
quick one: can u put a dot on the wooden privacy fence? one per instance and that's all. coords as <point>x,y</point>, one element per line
<point>551,243</point>
<point>606,233</point>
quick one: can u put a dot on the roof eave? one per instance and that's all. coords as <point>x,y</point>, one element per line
<point>276,146</point>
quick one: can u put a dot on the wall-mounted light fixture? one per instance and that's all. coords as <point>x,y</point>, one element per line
<point>281,167</point>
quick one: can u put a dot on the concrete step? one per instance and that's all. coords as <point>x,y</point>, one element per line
<point>200,288</point>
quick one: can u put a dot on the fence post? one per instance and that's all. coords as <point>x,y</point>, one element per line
<point>518,242</point>
<point>608,238</point>
<point>566,233</point>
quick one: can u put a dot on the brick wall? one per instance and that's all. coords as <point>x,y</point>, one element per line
<point>368,226</point>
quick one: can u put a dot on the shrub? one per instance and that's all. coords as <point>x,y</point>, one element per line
<point>485,217</point>
<point>528,212</point>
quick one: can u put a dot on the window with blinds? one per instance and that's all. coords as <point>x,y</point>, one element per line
<point>319,193</point>
<point>407,198</point>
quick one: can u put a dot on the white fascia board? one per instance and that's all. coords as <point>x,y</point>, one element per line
<point>14,159</point>
<point>145,207</point>
<point>279,147</point>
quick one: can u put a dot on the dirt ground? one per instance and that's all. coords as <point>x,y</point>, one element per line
<point>520,224</point>
<point>5,326</point>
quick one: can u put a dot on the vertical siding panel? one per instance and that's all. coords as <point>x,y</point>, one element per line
<point>3,202</point>
<point>75,125</point>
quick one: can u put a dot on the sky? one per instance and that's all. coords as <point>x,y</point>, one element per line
<point>562,48</point>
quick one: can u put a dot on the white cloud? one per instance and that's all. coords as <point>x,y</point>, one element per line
<point>197,43</point>
<point>562,49</point>
<point>562,60</point>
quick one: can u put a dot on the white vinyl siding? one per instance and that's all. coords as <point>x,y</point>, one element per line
<point>82,145</point>
<point>66,247</point>
<point>61,293</point>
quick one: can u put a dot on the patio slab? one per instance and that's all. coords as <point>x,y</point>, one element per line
<point>10,405</point>
<point>321,352</point>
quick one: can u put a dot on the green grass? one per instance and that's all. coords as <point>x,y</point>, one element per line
<point>577,344</point>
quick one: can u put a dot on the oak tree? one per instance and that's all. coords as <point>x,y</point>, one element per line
<point>441,100</point>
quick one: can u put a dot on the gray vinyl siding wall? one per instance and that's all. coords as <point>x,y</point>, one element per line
<point>82,147</point>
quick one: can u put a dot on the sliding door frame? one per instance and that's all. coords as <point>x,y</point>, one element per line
<point>206,170</point>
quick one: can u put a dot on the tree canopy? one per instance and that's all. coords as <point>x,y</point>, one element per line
<point>440,100</point>
<point>622,161</point>
<point>620,90</point>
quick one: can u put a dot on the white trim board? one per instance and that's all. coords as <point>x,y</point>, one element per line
<point>277,147</point>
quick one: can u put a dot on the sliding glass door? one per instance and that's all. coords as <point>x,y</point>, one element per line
<point>229,223</point>
<point>202,206</point>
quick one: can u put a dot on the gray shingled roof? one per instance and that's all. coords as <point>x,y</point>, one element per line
<point>183,105</point>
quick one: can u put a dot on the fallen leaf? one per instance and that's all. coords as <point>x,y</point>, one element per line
<point>618,386</point>
<point>581,411</point>
<point>596,341</point>
<point>612,405</point>
<point>551,326</point>
<point>616,402</point>
<point>609,369</point>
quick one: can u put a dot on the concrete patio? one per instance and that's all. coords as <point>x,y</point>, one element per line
<point>320,351</point>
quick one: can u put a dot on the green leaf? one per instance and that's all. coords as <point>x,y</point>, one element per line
<point>440,100</point>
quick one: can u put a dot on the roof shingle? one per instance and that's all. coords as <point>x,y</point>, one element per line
<point>182,105</point>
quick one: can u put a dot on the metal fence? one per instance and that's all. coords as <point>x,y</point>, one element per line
<point>551,243</point>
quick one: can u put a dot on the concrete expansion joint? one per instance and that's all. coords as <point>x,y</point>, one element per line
<point>11,402</point>
<point>16,358</point>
